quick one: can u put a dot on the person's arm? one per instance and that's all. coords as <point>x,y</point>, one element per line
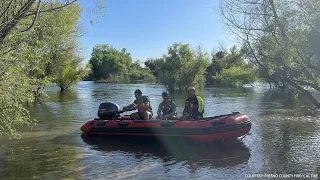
<point>131,106</point>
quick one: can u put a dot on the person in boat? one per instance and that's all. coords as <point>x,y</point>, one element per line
<point>167,108</point>
<point>194,105</point>
<point>142,103</point>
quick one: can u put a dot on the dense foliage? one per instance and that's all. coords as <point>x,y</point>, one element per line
<point>112,65</point>
<point>183,67</point>
<point>139,74</point>
<point>108,62</point>
<point>230,69</point>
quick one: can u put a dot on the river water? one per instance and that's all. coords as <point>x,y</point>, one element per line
<point>285,138</point>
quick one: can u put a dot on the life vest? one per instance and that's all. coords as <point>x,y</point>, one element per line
<point>166,108</point>
<point>200,105</point>
<point>195,107</point>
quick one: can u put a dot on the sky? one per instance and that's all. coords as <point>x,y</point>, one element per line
<point>147,27</point>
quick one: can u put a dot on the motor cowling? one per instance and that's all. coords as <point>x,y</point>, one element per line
<point>108,110</point>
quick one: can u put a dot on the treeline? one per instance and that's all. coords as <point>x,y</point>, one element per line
<point>39,45</point>
<point>179,68</point>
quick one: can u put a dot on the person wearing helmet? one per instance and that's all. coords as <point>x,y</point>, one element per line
<point>142,103</point>
<point>194,105</point>
<point>167,108</point>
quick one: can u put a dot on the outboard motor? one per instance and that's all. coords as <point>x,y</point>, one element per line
<point>108,110</point>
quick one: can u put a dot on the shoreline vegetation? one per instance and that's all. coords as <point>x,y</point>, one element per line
<point>40,45</point>
<point>181,67</point>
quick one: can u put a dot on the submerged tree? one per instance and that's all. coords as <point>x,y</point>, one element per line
<point>70,73</point>
<point>184,67</point>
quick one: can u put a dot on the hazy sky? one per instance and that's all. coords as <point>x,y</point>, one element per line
<point>147,27</point>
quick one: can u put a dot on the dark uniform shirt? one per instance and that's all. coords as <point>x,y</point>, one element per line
<point>167,108</point>
<point>192,107</point>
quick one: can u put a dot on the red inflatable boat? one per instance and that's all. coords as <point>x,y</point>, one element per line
<point>228,126</point>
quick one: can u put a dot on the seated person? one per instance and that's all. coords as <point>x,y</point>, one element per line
<point>167,107</point>
<point>142,103</point>
<point>194,105</point>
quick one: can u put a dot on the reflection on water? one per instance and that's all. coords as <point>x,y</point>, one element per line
<point>205,154</point>
<point>285,138</point>
<point>168,153</point>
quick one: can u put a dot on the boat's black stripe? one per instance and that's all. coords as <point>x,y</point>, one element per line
<point>169,130</point>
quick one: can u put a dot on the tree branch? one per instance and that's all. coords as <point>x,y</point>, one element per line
<point>6,8</point>
<point>282,30</point>
<point>34,19</point>
<point>303,91</point>
<point>53,9</point>
<point>10,24</point>
<point>305,83</point>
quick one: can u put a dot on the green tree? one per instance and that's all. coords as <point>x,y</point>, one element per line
<point>70,73</point>
<point>137,73</point>
<point>156,66</point>
<point>108,62</point>
<point>236,76</point>
<point>183,67</point>
<point>230,69</point>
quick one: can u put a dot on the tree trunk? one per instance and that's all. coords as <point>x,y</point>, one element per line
<point>304,92</point>
<point>63,88</point>
<point>38,94</point>
<point>270,86</point>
